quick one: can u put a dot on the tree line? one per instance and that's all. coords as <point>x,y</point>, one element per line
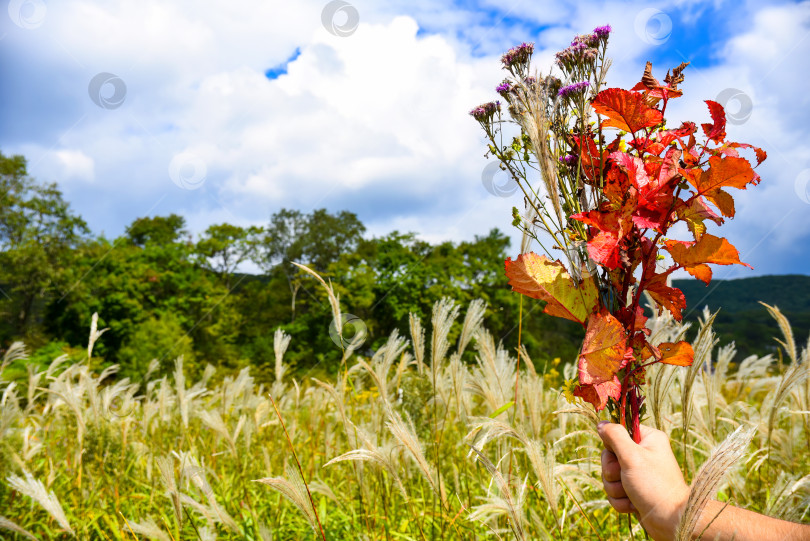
<point>162,292</point>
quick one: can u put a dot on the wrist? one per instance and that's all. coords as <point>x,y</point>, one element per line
<point>664,525</point>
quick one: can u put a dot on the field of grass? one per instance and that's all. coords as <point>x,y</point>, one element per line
<point>413,443</point>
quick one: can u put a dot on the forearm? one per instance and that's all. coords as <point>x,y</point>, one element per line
<point>725,524</point>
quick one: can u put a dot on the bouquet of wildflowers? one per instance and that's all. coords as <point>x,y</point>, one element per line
<point>605,180</point>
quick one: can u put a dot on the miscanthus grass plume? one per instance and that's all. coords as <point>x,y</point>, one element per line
<point>427,437</point>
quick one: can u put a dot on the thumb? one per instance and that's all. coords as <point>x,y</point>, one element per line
<point>617,440</point>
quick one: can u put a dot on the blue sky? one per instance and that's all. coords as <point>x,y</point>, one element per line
<point>228,112</point>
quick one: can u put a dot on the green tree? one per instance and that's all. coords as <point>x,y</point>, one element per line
<point>317,240</point>
<point>128,284</point>
<point>160,337</point>
<point>158,230</point>
<point>38,231</point>
<point>224,247</point>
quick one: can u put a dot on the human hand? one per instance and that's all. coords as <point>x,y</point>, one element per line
<point>644,479</point>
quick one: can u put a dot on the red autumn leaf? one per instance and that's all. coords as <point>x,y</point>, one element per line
<point>669,170</point>
<point>761,154</point>
<point>626,110</point>
<point>603,350</point>
<point>667,136</point>
<point>670,298</point>
<point>589,157</point>
<point>679,353</point>
<point>540,278</point>
<point>717,131</point>
<point>599,393</point>
<point>650,215</point>
<point>633,166</point>
<point>693,256</point>
<point>657,142</point>
<point>604,249</point>
<point>604,245</point>
<point>617,182</point>
<point>637,322</point>
<point>655,199</point>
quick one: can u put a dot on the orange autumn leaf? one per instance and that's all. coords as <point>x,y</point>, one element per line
<point>626,110</point>
<point>694,256</point>
<point>728,171</point>
<point>723,201</point>
<point>670,298</point>
<point>540,278</point>
<point>603,350</point>
<point>694,213</point>
<point>678,353</point>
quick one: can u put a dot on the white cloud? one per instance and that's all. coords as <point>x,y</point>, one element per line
<point>67,167</point>
<point>375,122</point>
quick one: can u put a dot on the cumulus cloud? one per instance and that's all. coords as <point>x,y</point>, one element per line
<point>74,164</point>
<point>375,122</point>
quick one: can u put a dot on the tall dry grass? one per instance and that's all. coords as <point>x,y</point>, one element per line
<point>426,439</point>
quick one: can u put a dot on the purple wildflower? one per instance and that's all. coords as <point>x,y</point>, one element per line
<point>568,159</point>
<point>484,113</point>
<point>602,32</point>
<point>573,88</point>
<point>504,89</point>
<point>580,52</point>
<point>517,56</point>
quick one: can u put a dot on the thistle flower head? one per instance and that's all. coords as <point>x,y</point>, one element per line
<point>517,56</point>
<point>581,52</point>
<point>584,41</point>
<point>573,88</point>
<point>484,113</point>
<point>602,32</point>
<point>568,159</point>
<point>504,89</point>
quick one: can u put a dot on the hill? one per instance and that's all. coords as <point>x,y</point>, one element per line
<point>742,319</point>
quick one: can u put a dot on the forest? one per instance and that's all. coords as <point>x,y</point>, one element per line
<point>162,293</point>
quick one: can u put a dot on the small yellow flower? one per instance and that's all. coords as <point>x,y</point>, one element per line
<point>568,390</point>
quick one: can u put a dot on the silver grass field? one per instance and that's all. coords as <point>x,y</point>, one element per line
<point>419,441</point>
